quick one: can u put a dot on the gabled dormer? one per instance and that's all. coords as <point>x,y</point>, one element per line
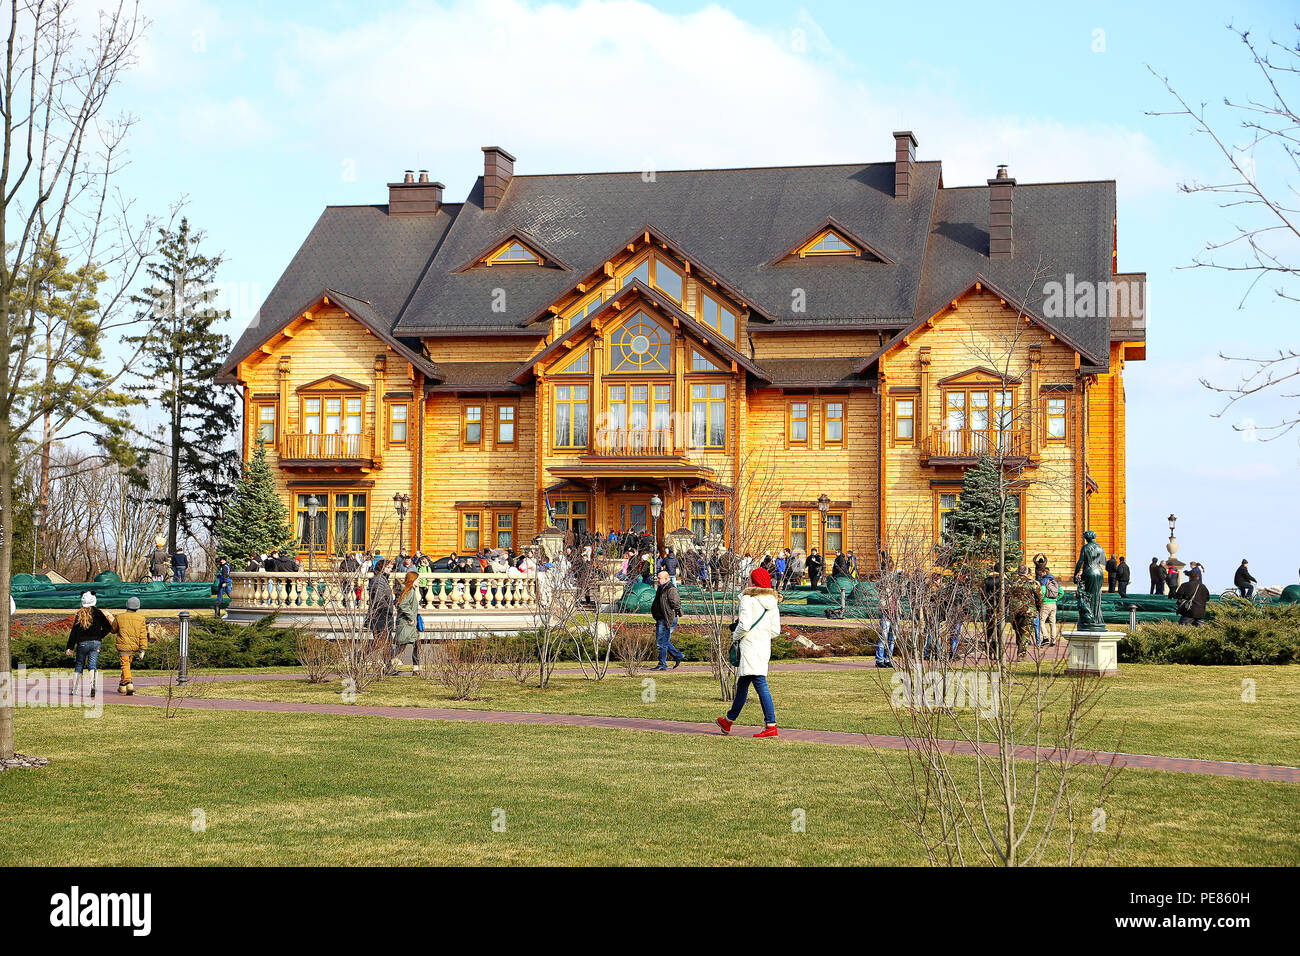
<point>514,249</point>
<point>832,240</point>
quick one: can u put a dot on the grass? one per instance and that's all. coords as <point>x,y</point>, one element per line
<point>1159,709</point>
<point>303,789</point>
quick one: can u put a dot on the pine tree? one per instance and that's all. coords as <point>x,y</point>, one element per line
<point>180,361</point>
<point>256,521</point>
<point>985,505</point>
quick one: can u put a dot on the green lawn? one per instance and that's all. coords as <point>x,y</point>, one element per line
<point>306,789</point>
<point>1160,709</point>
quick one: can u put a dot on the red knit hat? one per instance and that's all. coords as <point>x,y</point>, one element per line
<point>760,578</point>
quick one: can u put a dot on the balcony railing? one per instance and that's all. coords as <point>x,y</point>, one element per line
<point>323,590</point>
<point>315,447</point>
<point>967,443</point>
<point>633,443</point>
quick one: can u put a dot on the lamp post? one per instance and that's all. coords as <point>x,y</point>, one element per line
<point>313,509</point>
<point>183,647</point>
<point>656,509</point>
<point>400,502</point>
<point>1172,547</point>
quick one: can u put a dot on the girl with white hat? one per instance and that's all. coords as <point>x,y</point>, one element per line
<point>89,628</point>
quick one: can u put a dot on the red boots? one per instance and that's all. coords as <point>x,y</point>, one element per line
<point>725,724</point>
<point>769,731</point>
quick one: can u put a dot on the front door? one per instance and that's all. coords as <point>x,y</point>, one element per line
<point>631,512</point>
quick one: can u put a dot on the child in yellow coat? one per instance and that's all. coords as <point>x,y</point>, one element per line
<point>132,638</point>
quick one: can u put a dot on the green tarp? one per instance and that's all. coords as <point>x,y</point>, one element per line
<point>110,592</point>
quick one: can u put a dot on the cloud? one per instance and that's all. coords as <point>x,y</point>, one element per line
<point>618,84</point>
<point>1241,472</point>
<point>232,124</point>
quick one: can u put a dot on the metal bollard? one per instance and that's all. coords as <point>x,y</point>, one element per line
<point>183,650</point>
<point>1132,618</point>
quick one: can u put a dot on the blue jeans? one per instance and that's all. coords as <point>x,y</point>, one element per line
<point>664,638</point>
<point>886,639</point>
<point>87,656</point>
<point>952,650</point>
<point>764,698</point>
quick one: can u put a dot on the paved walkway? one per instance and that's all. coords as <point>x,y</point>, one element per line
<point>1219,768</point>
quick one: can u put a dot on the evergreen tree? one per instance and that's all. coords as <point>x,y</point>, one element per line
<point>256,519</point>
<point>180,359</point>
<point>985,505</point>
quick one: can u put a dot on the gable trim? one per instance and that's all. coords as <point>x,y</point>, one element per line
<point>832,224</point>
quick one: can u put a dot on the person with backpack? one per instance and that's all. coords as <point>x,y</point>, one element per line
<point>1026,599</point>
<point>1171,578</point>
<point>1191,598</point>
<point>89,628</point>
<point>1049,630</point>
<point>758,621</point>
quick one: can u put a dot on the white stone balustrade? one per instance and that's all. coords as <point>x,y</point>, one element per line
<point>308,591</point>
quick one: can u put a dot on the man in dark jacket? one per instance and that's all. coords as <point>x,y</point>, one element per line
<point>840,568</point>
<point>1243,581</point>
<point>180,564</point>
<point>1157,573</point>
<point>1191,599</point>
<point>665,608</point>
<point>1122,576</point>
<point>1111,567</point>
<point>672,565</point>
<point>814,564</point>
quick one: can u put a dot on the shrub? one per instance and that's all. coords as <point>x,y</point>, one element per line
<point>462,665</point>
<point>1237,633</point>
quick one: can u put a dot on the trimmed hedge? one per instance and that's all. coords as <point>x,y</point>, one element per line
<point>1236,633</point>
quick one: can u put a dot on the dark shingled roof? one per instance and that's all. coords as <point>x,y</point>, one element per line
<point>360,250</point>
<point>732,221</point>
<point>1059,228</point>
<point>824,373</point>
<point>477,376</point>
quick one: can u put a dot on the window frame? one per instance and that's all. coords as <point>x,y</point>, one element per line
<point>1064,398</point>
<point>326,516</point>
<point>465,422</point>
<point>807,249</point>
<point>513,421</point>
<point>896,418</point>
<point>709,402</point>
<point>494,258</point>
<point>571,402</point>
<point>565,521</point>
<point>843,441</point>
<point>843,515</point>
<point>708,516</point>
<point>788,528</point>
<point>273,443</point>
<point>612,346</point>
<point>993,390</point>
<point>405,421</point>
<point>790,440</point>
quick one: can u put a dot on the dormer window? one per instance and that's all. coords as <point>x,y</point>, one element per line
<point>513,252</point>
<point>829,243</point>
<point>658,273</point>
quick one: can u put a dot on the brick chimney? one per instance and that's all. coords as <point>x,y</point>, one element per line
<point>414,198</point>
<point>498,168</point>
<point>904,160</point>
<point>1001,189</point>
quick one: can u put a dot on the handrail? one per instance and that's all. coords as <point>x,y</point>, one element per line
<point>312,445</point>
<point>323,590</point>
<point>969,443</point>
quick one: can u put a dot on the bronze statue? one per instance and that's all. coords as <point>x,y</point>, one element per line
<point>1089,572</point>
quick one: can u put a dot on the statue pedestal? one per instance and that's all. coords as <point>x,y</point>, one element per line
<point>1093,652</point>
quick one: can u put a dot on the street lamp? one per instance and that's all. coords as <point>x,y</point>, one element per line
<point>400,501</point>
<point>183,646</point>
<point>313,508</point>
<point>1172,547</point>
<point>656,509</point>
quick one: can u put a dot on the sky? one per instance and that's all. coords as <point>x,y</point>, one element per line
<point>257,115</point>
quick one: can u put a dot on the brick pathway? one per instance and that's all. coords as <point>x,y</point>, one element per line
<point>1218,768</point>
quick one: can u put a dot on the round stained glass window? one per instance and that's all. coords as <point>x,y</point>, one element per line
<point>640,344</point>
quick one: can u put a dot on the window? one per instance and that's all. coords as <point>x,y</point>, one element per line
<point>708,415</point>
<point>833,430</point>
<point>397,415</point>
<point>584,307</point>
<point>349,522</point>
<point>571,416</point>
<point>640,271</point>
<point>570,514</point>
<point>640,345</point>
<point>977,421</point>
<point>505,528</point>
<point>717,316</point>
<point>796,535</point>
<point>472,430</point>
<point>311,416</point>
<point>833,532</point>
<point>577,362</point>
<point>701,363</point>
<point>947,506</point>
<point>337,417</point>
<point>313,537</point>
<point>708,517</point>
<point>266,415</point>
<point>505,424</point>
<point>904,421</point>
<point>797,433</point>
<point>470,525</point>
<point>513,253</point>
<point>1057,411</point>
<point>829,243</point>
<point>1013,518</point>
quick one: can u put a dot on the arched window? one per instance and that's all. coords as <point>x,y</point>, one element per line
<point>640,345</point>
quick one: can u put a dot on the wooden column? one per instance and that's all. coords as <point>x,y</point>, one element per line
<point>922,402</point>
<point>284,367</point>
<point>1035,369</point>
<point>379,383</point>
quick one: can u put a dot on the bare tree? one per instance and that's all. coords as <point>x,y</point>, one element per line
<point>993,772</point>
<point>460,658</point>
<point>1259,143</point>
<point>61,151</point>
<point>554,616</point>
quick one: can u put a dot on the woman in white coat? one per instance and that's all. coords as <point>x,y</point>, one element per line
<point>759,621</point>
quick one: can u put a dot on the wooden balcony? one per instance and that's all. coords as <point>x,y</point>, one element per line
<point>634,443</point>
<point>964,446</point>
<point>304,450</point>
